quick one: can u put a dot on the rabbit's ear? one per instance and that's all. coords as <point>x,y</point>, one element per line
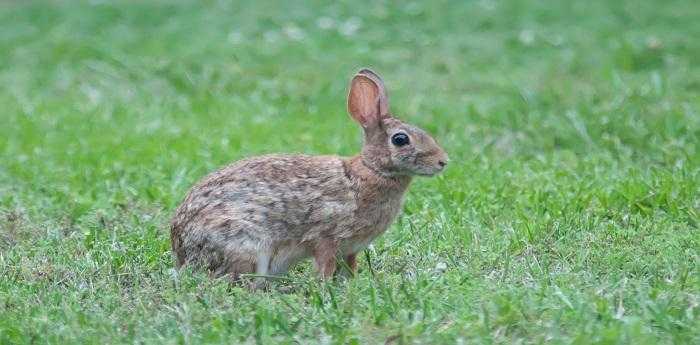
<point>367,100</point>
<point>383,97</point>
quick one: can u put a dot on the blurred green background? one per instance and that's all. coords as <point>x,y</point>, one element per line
<point>568,214</point>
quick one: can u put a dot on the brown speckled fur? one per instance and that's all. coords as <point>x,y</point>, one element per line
<point>263,214</point>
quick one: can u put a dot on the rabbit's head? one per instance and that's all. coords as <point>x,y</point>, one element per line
<point>391,147</point>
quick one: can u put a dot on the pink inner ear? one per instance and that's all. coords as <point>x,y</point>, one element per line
<point>363,101</point>
<point>381,90</point>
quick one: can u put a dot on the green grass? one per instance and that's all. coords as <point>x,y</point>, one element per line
<point>569,213</point>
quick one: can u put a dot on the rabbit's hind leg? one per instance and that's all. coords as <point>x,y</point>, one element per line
<point>262,266</point>
<point>324,258</point>
<point>285,255</point>
<point>234,266</point>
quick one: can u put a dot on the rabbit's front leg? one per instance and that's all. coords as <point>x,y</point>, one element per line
<point>351,261</point>
<point>324,258</point>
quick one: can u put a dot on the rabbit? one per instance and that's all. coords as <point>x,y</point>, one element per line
<point>261,215</point>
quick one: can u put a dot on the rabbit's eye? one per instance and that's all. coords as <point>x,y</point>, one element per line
<point>400,139</point>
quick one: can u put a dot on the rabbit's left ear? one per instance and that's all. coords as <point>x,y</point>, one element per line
<point>367,99</point>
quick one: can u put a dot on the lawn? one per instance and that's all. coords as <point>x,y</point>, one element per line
<point>569,212</point>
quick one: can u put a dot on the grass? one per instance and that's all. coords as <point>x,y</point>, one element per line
<point>569,213</point>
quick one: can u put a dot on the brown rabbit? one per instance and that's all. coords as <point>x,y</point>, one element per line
<point>263,214</point>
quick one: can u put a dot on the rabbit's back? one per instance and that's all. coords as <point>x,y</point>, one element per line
<point>270,203</point>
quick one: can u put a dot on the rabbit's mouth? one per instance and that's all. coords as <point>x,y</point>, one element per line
<point>419,166</point>
<point>429,173</point>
